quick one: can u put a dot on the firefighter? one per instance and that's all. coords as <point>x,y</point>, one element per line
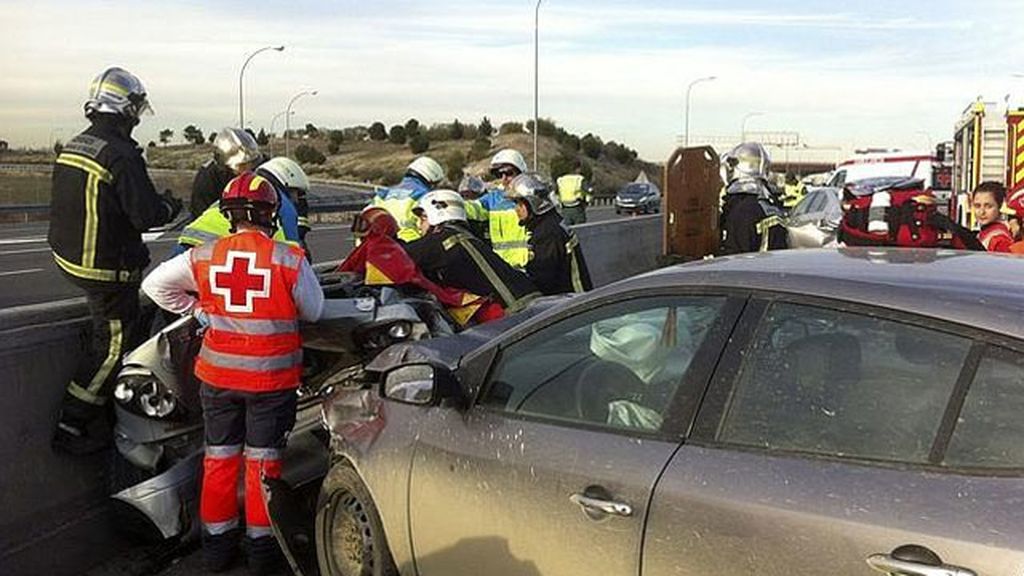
<point>450,255</point>
<point>472,188</point>
<point>508,238</point>
<point>234,151</point>
<point>751,218</point>
<point>573,195</point>
<point>422,175</point>
<point>102,201</point>
<point>251,293</point>
<point>288,179</point>
<point>556,263</point>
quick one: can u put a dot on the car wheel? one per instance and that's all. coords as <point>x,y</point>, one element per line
<point>350,538</point>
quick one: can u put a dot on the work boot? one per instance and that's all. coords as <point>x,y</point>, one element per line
<point>82,428</point>
<point>220,550</point>
<point>263,556</point>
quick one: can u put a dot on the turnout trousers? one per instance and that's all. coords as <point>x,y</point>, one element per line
<point>249,427</point>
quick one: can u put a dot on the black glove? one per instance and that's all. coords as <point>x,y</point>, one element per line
<point>172,204</point>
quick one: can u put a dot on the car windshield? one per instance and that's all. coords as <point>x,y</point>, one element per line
<point>635,190</point>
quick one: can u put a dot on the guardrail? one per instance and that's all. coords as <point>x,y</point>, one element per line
<point>53,502</point>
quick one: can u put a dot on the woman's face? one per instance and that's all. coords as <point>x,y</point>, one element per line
<point>986,211</point>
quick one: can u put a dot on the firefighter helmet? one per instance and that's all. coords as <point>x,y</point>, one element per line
<point>472,187</point>
<point>507,158</point>
<point>748,161</point>
<point>442,206</point>
<point>117,91</point>
<point>428,169</point>
<point>533,191</point>
<point>235,148</point>
<point>285,174</point>
<point>249,198</point>
<point>374,221</point>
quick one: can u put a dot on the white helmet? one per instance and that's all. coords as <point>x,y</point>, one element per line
<point>442,206</point>
<point>508,157</point>
<point>234,147</point>
<point>533,190</point>
<point>117,91</point>
<point>285,174</point>
<point>428,169</point>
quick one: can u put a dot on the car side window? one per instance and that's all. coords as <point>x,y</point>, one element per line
<point>843,384</point>
<point>989,432</point>
<point>617,366</point>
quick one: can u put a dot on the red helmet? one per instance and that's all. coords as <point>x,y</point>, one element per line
<point>249,198</point>
<point>1014,205</point>
<point>374,221</point>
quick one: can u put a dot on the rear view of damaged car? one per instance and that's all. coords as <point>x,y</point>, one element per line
<point>158,431</point>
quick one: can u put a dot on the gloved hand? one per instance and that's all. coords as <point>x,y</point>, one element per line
<point>172,204</point>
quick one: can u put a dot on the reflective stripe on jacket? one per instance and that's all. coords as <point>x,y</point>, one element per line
<point>246,283</point>
<point>399,202</point>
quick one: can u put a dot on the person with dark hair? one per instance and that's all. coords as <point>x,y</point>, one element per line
<point>987,203</point>
<point>101,203</point>
<point>250,292</point>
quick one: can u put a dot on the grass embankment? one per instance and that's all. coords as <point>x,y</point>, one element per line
<point>34,187</point>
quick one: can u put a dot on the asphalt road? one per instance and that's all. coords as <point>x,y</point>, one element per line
<point>29,276</point>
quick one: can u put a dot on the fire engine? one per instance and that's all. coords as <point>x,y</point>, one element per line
<point>987,145</point>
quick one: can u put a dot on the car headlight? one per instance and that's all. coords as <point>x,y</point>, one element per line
<point>145,395</point>
<point>400,330</point>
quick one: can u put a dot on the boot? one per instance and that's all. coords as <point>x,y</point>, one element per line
<point>82,428</point>
<point>221,550</point>
<point>263,555</point>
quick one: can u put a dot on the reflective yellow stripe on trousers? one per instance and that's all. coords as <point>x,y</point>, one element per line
<point>91,394</point>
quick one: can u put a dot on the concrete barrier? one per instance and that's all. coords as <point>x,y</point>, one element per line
<point>56,503</point>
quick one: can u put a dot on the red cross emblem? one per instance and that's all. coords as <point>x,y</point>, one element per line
<point>239,281</point>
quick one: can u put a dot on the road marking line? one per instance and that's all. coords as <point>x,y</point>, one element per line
<point>26,251</point>
<point>23,240</point>
<point>28,271</point>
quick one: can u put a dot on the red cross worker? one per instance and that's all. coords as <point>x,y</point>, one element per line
<point>251,291</point>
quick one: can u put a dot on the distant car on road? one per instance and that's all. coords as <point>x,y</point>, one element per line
<point>638,198</point>
<point>785,413</point>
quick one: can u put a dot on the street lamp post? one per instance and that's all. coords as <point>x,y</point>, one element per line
<point>241,106</point>
<point>273,121</point>
<point>288,118</point>
<point>536,80</point>
<point>743,124</point>
<point>686,135</point>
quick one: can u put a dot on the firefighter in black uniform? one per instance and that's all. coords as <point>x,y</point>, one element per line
<point>451,255</point>
<point>556,263</point>
<point>751,218</point>
<point>234,151</point>
<point>102,201</point>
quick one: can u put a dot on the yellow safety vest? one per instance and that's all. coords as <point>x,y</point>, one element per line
<point>509,239</point>
<point>570,189</point>
<point>211,225</point>
<point>401,210</point>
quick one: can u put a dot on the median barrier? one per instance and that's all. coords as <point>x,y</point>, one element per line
<point>56,516</point>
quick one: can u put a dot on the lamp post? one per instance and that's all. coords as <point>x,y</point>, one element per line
<point>536,80</point>
<point>686,134</point>
<point>288,117</point>
<point>272,122</point>
<point>743,124</point>
<point>241,106</point>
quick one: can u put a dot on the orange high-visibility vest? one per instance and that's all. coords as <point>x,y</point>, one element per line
<point>245,287</point>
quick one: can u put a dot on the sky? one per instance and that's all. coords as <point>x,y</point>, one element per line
<point>841,75</point>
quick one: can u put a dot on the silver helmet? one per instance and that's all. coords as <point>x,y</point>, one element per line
<point>117,91</point>
<point>747,162</point>
<point>472,187</point>
<point>234,148</point>
<point>533,190</point>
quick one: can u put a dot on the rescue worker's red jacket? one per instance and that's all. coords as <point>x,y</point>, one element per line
<point>246,283</point>
<point>995,237</point>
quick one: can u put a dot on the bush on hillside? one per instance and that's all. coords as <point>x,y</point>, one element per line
<point>419,144</point>
<point>397,134</point>
<point>306,154</point>
<point>457,131</point>
<point>412,127</point>
<point>481,148</point>
<point>591,146</point>
<point>378,132</point>
<point>511,128</point>
<point>486,129</point>
<point>456,164</point>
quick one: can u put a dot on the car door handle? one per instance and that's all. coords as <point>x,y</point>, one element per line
<point>914,560</point>
<point>591,504</point>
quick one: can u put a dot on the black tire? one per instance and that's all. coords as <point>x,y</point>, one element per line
<point>350,538</point>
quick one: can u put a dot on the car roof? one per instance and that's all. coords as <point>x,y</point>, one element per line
<point>977,289</point>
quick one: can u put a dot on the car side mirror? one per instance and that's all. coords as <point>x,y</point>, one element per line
<point>422,385</point>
